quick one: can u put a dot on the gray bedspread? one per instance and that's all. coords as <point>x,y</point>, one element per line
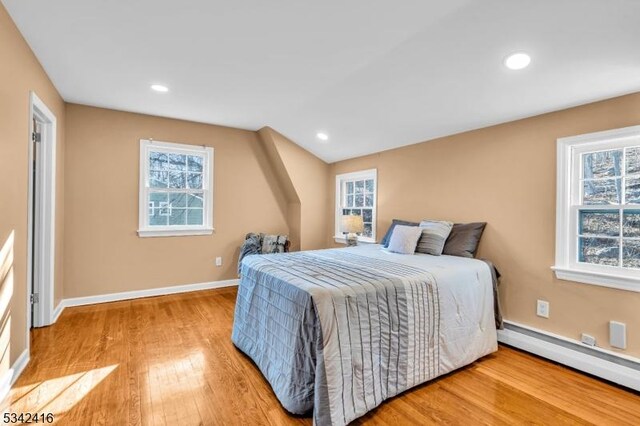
<point>339,331</point>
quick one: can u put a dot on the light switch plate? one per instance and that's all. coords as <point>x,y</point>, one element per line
<point>618,334</point>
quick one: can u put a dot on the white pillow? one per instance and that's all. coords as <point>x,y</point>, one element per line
<point>404,239</point>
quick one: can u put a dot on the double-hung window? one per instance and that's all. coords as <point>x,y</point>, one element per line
<point>598,217</point>
<point>176,189</point>
<point>356,195</point>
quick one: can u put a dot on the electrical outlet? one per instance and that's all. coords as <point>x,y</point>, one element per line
<point>588,339</point>
<point>543,309</point>
<point>218,261</point>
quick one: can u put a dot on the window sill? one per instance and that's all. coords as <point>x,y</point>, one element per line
<point>619,282</point>
<point>144,233</point>
<point>342,240</point>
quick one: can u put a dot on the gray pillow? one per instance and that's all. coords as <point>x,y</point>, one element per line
<point>404,239</point>
<point>464,239</point>
<point>387,236</point>
<point>434,235</point>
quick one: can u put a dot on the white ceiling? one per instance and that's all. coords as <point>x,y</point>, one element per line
<point>373,74</point>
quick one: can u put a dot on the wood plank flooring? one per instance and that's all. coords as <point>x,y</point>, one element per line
<point>170,361</point>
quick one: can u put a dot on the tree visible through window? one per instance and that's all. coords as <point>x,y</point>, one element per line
<point>175,193</point>
<point>608,214</point>
<point>356,195</point>
<point>598,209</point>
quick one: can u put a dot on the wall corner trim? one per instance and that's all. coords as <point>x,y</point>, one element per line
<point>57,311</point>
<point>553,348</point>
<point>12,375</point>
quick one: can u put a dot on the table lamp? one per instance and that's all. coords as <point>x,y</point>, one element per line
<point>352,225</point>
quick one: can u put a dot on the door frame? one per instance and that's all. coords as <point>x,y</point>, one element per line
<point>43,311</point>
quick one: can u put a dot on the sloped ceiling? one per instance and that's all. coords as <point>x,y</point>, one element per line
<point>373,74</point>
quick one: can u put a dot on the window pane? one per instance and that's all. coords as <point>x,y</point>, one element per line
<point>158,179</point>
<point>346,212</point>
<point>349,200</point>
<point>349,187</point>
<point>367,230</point>
<point>600,222</point>
<point>194,180</point>
<point>359,200</point>
<point>194,163</point>
<point>178,162</point>
<point>194,217</point>
<point>606,191</point>
<point>158,197</point>
<point>633,160</point>
<point>368,200</point>
<point>178,200</point>
<point>177,217</point>
<point>369,185</point>
<point>631,223</point>
<point>632,191</point>
<point>631,253</point>
<point>156,219</point>
<point>600,251</point>
<point>176,180</point>
<point>359,187</point>
<point>602,164</point>
<point>153,203</point>
<point>367,215</point>
<point>195,200</point>
<point>158,160</point>
<point>164,208</point>
<point>357,212</point>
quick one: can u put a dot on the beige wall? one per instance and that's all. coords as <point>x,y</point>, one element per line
<point>20,73</point>
<point>103,253</point>
<point>305,177</point>
<point>506,175</point>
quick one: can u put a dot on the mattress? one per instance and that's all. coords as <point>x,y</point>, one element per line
<point>339,331</point>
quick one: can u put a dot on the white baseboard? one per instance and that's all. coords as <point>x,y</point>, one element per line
<point>13,373</point>
<point>603,368</point>
<point>137,294</point>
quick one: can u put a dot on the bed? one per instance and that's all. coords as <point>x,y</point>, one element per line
<point>339,331</point>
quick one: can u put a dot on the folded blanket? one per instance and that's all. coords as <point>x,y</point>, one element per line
<point>252,245</point>
<point>261,244</point>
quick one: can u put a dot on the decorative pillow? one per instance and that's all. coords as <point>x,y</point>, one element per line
<point>434,235</point>
<point>387,236</point>
<point>404,239</point>
<point>273,243</point>
<point>464,239</point>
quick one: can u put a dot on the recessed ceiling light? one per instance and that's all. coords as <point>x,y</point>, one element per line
<point>322,136</point>
<point>517,61</point>
<point>159,88</point>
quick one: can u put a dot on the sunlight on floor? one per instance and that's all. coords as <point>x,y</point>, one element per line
<point>57,395</point>
<point>6,293</point>
<point>178,375</point>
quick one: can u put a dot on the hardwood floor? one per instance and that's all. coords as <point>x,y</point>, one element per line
<point>169,360</point>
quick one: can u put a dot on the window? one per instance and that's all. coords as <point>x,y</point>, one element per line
<point>598,218</point>
<point>356,194</point>
<point>176,189</point>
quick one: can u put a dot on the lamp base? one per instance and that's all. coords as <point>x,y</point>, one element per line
<point>352,240</point>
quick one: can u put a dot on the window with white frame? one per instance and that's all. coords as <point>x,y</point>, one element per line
<point>176,189</point>
<point>598,218</point>
<point>356,195</point>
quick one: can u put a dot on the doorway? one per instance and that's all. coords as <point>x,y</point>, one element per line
<point>41,214</point>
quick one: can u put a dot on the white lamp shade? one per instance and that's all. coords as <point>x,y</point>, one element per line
<point>352,224</point>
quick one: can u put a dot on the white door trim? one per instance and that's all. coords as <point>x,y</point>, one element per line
<point>44,285</point>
